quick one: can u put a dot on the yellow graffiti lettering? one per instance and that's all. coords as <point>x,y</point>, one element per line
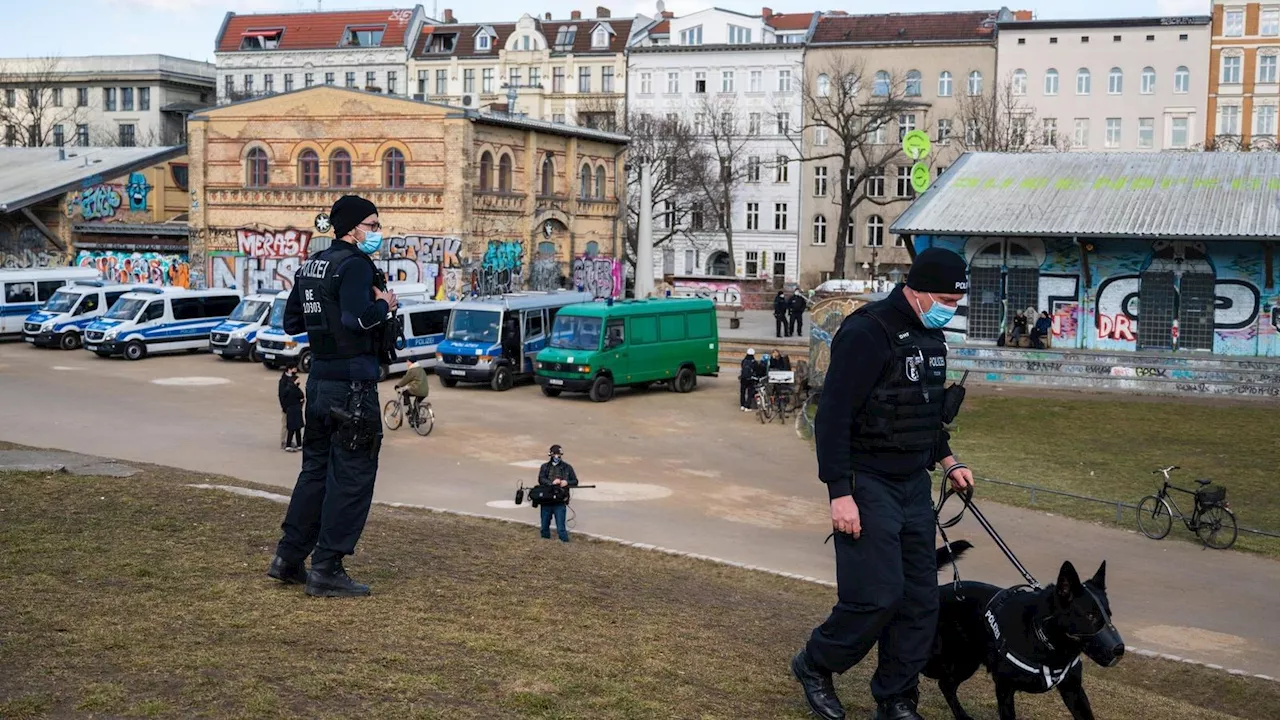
<point>1273,184</point>
<point>1116,184</point>
<point>965,182</point>
<point>1034,183</point>
<point>1067,184</point>
<point>1205,183</point>
<point>1142,183</point>
<point>994,184</point>
<point>1167,183</point>
<point>1249,184</point>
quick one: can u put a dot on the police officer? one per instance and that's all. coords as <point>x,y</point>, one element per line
<point>879,430</point>
<point>335,301</point>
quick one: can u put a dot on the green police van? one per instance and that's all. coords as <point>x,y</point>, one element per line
<point>596,347</point>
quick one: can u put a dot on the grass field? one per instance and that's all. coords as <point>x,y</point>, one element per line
<point>145,598</point>
<point>1106,446</point>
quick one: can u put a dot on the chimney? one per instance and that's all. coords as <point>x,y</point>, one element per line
<point>448,17</point>
<point>1023,15</point>
<point>667,14</point>
<point>766,13</point>
<point>603,12</point>
<point>546,16</point>
<point>575,15</point>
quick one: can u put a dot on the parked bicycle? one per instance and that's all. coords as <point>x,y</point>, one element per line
<point>770,402</point>
<point>423,421</point>
<point>1211,518</point>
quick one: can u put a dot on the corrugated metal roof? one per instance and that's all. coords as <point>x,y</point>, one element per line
<point>1165,194</point>
<point>29,175</point>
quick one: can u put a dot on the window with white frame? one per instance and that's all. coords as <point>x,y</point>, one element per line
<point>875,231</point>
<point>482,41</point>
<point>673,83</point>
<point>1231,69</point>
<point>780,169</point>
<point>784,123</point>
<point>1229,120</point>
<point>753,123</point>
<point>881,86</point>
<point>824,85</point>
<point>944,84</point>
<point>779,216</point>
<point>691,36</point>
<point>752,259</point>
<point>599,38</point>
<point>914,82</point>
<point>1146,133</point>
<point>753,169</point>
<point>739,35</point>
<point>1083,81</point>
<point>875,183</point>
<point>906,123</point>
<point>1148,80</point>
<point>700,124</point>
<point>1019,82</point>
<point>1264,121</point>
<point>486,80</point>
<point>944,129</point>
<point>1051,82</point>
<point>972,132</point>
<point>1080,136</point>
<point>726,81</point>
<point>1267,68</point>
<point>1113,133</point>
<point>1049,131</point>
<point>819,230</point>
<point>784,81</point>
<point>878,132</point>
<point>1178,132</point>
<point>755,82</point>
<point>1233,23</point>
<point>646,83</point>
<point>820,181</point>
<point>753,216</point>
<point>905,188</point>
<point>1182,80</point>
<point>975,83</point>
<point>1269,22</point>
<point>668,214</point>
<point>690,261</point>
<point>820,135</point>
<point>700,82</point>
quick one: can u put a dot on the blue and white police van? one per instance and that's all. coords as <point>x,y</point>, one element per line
<point>494,339</point>
<point>235,337</point>
<point>278,348</point>
<point>61,321</point>
<point>153,320</point>
<point>23,291</point>
<point>425,323</point>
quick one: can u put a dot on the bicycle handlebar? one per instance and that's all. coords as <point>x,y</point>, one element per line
<point>1165,471</point>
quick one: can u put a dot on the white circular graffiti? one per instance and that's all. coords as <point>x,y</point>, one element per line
<point>621,492</point>
<point>193,381</point>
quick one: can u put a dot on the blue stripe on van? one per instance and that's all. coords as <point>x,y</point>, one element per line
<point>23,309</point>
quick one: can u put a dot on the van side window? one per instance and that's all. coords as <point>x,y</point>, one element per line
<point>671,327</point>
<point>428,323</point>
<point>644,330</point>
<point>532,324</point>
<point>699,325</point>
<point>155,311</point>
<point>219,306</point>
<point>88,304</point>
<point>46,288</point>
<point>186,309</point>
<point>614,335</point>
<point>22,292</point>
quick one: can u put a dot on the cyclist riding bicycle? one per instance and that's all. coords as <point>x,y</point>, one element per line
<point>415,387</point>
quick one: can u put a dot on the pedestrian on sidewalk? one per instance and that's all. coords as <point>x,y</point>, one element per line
<point>284,414</point>
<point>879,431</point>
<point>796,306</point>
<point>780,304</point>
<point>291,399</point>
<point>746,381</point>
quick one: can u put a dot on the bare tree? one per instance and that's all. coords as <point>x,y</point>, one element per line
<point>36,98</point>
<point>857,112</point>
<point>599,113</point>
<point>1002,121</point>
<point>717,163</point>
<point>107,138</point>
<point>662,142</point>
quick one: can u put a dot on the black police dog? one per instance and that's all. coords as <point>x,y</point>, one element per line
<point>1029,640</point>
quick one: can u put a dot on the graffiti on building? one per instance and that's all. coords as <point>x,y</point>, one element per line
<point>137,190</point>
<point>826,315</point>
<point>545,273</point>
<point>500,269</point>
<point>24,247</point>
<point>602,277</point>
<point>99,202</point>
<point>264,260</point>
<point>138,267</point>
<point>434,261</point>
<point>728,294</point>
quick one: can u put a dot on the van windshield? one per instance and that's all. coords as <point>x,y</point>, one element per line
<point>62,301</point>
<point>125,309</point>
<point>248,311</point>
<point>277,313</point>
<point>576,333</point>
<point>474,326</point>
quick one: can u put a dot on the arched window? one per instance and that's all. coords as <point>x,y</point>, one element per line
<point>548,176</point>
<point>504,173</point>
<point>944,84</point>
<point>719,264</point>
<point>1083,81</point>
<point>824,85</point>
<point>820,230</point>
<point>340,169</point>
<point>393,169</point>
<point>875,231</point>
<point>881,86</point>
<point>593,249</point>
<point>1051,82</point>
<point>1148,80</point>
<point>584,181</point>
<point>914,81</point>
<point>309,169</point>
<point>1115,81</point>
<point>1182,80</point>
<point>975,83</point>
<point>486,170</point>
<point>1019,82</point>
<point>256,168</point>
<point>600,182</point>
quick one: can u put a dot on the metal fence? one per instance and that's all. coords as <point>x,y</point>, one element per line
<point>1119,505</point>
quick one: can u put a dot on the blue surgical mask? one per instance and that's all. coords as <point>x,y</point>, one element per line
<point>371,242</point>
<point>938,315</point>
<point>555,460</point>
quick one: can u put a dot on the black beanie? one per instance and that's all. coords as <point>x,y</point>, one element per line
<point>939,271</point>
<point>348,212</point>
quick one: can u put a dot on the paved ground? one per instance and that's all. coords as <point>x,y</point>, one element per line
<point>716,481</point>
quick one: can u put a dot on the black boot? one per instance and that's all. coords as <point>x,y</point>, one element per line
<point>818,688</point>
<point>329,579</point>
<point>286,573</point>
<point>897,709</point>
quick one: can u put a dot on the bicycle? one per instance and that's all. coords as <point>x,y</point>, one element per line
<point>1211,517</point>
<point>423,422</point>
<point>770,403</point>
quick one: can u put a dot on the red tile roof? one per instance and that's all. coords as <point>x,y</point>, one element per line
<point>662,28</point>
<point>315,31</point>
<point>906,28</point>
<point>789,21</point>
<point>464,46</point>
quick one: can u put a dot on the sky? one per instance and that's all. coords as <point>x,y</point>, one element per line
<point>187,28</point>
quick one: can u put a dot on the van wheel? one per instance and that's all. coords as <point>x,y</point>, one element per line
<point>602,389</point>
<point>102,354</point>
<point>254,355</point>
<point>304,361</point>
<point>70,340</point>
<point>135,351</point>
<point>501,379</point>
<point>550,391</point>
<point>685,381</point>
<point>448,382</point>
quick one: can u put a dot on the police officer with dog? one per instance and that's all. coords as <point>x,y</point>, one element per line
<point>879,430</point>
<point>340,299</point>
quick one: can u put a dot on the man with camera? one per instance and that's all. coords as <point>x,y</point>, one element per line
<point>559,475</point>
<point>340,299</point>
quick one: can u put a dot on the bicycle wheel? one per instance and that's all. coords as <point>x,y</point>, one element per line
<point>426,420</point>
<point>1217,528</point>
<point>1155,519</point>
<point>763,411</point>
<point>392,414</point>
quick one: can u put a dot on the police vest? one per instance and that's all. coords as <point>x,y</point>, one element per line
<point>904,410</point>
<point>319,280</point>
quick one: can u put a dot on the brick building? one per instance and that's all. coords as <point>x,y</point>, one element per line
<point>468,201</point>
<point>1244,80</point>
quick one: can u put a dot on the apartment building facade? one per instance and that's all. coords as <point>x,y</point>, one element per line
<point>1244,83</point>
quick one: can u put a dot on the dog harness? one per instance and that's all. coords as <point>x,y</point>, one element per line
<point>1050,676</point>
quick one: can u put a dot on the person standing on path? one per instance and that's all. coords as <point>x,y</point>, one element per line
<point>557,473</point>
<point>291,399</point>
<point>796,306</point>
<point>879,431</point>
<point>781,303</point>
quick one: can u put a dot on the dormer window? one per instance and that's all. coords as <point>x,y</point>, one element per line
<point>370,36</point>
<point>442,43</point>
<point>482,42</point>
<point>691,36</point>
<point>600,38</point>
<point>565,37</point>
<point>260,39</point>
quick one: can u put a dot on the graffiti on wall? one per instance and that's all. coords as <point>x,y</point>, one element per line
<point>825,316</point>
<point>24,247</point>
<point>434,261</point>
<point>602,277</point>
<point>99,202</point>
<point>138,267</point>
<point>499,270</point>
<point>137,190</point>
<point>107,201</point>
<point>728,294</point>
<point>264,260</point>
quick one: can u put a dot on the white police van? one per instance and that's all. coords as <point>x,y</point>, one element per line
<point>425,324</point>
<point>22,292</point>
<point>61,321</point>
<point>278,348</point>
<point>234,337</point>
<point>154,320</point>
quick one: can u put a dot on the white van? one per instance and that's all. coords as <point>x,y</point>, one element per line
<point>278,348</point>
<point>154,320</point>
<point>61,321</point>
<point>23,291</point>
<point>425,324</point>
<point>234,337</point>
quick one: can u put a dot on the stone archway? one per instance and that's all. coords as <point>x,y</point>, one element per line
<point>548,251</point>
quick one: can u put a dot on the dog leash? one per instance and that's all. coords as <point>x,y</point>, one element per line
<point>966,497</point>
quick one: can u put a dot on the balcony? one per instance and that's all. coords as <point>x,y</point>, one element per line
<point>500,201</point>
<point>553,202</point>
